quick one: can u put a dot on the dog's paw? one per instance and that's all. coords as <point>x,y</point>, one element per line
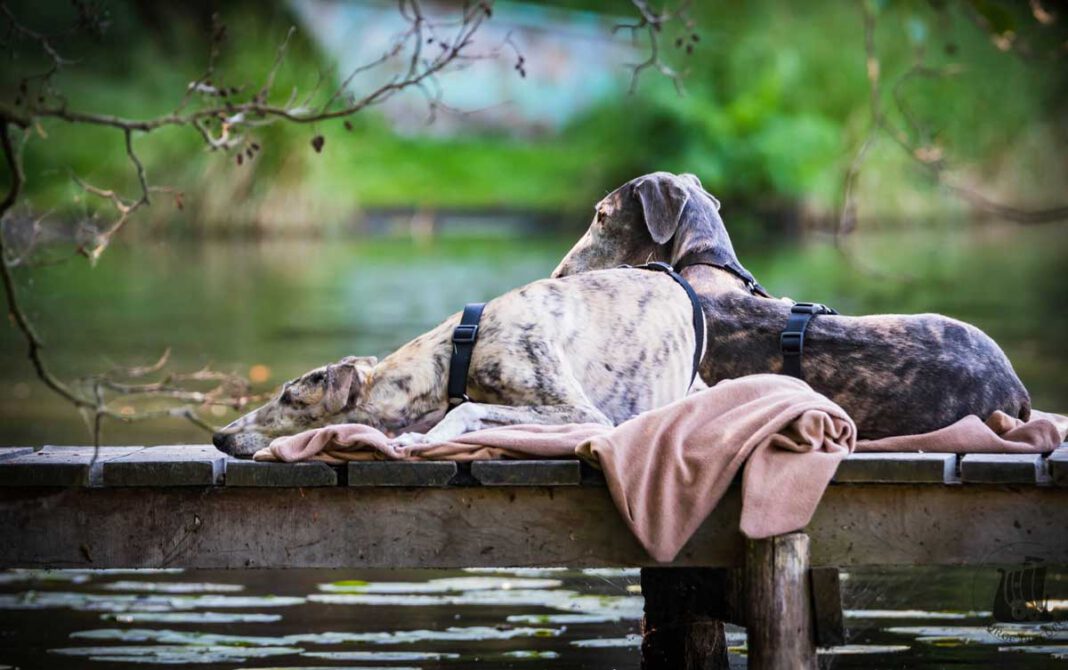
<point>409,440</point>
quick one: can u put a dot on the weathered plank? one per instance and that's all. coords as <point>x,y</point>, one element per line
<point>1058,466</point>
<point>866,468</point>
<point>292,475</point>
<point>400,473</point>
<point>184,465</point>
<point>527,473</point>
<point>335,527</point>
<point>1002,468</point>
<point>59,466</point>
<point>11,452</point>
<point>779,603</point>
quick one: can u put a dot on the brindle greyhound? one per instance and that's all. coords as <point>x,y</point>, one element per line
<point>893,374</point>
<point>598,347</point>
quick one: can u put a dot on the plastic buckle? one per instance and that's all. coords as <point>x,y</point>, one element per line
<point>465,334</point>
<point>791,343</point>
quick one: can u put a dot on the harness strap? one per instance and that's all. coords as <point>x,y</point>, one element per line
<point>698,313</point>
<point>706,258</point>
<point>792,340</point>
<point>464,337</point>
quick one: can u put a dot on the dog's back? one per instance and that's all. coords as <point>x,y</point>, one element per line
<point>622,340</point>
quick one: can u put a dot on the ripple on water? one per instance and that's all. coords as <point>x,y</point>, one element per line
<point>172,587</point>
<point>452,634</point>
<point>174,654</point>
<point>994,634</point>
<point>633,641</point>
<point>93,602</point>
<point>190,617</point>
<point>445,585</point>
<point>915,614</point>
<point>614,608</point>
<point>382,656</point>
<point>1056,651</point>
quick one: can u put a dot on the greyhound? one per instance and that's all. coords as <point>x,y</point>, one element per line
<point>599,347</point>
<point>893,374</point>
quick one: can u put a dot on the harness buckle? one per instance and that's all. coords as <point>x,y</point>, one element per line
<point>465,334</point>
<point>791,343</point>
<point>813,308</point>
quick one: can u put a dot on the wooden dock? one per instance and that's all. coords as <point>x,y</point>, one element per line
<point>191,506</point>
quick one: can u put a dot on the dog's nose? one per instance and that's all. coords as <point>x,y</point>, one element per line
<point>219,440</point>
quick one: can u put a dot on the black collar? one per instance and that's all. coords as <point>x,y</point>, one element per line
<point>710,259</point>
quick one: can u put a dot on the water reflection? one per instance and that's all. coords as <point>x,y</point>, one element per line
<point>576,619</point>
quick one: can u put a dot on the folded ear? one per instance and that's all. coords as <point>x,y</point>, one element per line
<point>692,178</point>
<point>344,380</point>
<point>663,198</point>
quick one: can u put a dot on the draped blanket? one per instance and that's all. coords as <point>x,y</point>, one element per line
<point>668,468</point>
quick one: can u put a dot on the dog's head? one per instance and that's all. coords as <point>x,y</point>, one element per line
<point>325,395</point>
<point>656,217</point>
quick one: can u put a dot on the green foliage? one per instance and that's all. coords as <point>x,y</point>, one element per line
<point>775,108</point>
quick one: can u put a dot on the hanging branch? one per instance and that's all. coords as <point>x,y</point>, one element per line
<point>928,157</point>
<point>223,120</point>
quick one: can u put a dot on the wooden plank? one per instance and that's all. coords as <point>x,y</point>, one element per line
<point>912,468</point>
<point>59,466</point>
<point>275,475</point>
<point>401,473</point>
<point>1058,466</point>
<point>527,473</point>
<point>11,452</point>
<point>179,465</point>
<point>779,627</point>
<point>345,527</point>
<point>1002,468</point>
<point>827,617</point>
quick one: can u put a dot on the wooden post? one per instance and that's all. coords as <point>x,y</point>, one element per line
<point>778,603</point>
<point>684,613</point>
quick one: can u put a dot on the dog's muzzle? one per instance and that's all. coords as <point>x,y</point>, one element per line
<point>240,445</point>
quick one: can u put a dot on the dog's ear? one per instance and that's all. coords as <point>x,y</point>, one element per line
<point>663,198</point>
<point>694,181</point>
<point>344,380</point>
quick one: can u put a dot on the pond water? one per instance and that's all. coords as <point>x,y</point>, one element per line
<point>494,619</point>
<point>286,306</point>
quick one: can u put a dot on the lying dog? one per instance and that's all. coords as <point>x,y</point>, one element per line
<point>599,347</point>
<point>893,374</point>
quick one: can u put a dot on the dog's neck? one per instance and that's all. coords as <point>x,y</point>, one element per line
<point>407,387</point>
<point>710,280</point>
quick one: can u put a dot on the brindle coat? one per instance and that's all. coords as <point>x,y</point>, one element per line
<point>894,374</point>
<point>598,347</point>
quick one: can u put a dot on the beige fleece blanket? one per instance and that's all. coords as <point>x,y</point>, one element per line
<point>668,468</point>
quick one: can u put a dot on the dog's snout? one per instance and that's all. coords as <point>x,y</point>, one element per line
<point>219,440</point>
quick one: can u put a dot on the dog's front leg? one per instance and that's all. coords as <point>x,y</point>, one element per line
<point>472,416</point>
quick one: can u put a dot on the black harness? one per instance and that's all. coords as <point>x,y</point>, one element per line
<point>792,339</point>
<point>465,335</point>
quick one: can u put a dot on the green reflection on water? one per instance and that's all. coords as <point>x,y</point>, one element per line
<point>293,304</point>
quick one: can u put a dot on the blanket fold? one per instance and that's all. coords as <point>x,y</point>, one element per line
<point>668,468</point>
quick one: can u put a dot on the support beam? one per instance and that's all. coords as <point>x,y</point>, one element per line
<point>779,604</point>
<point>684,613</point>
